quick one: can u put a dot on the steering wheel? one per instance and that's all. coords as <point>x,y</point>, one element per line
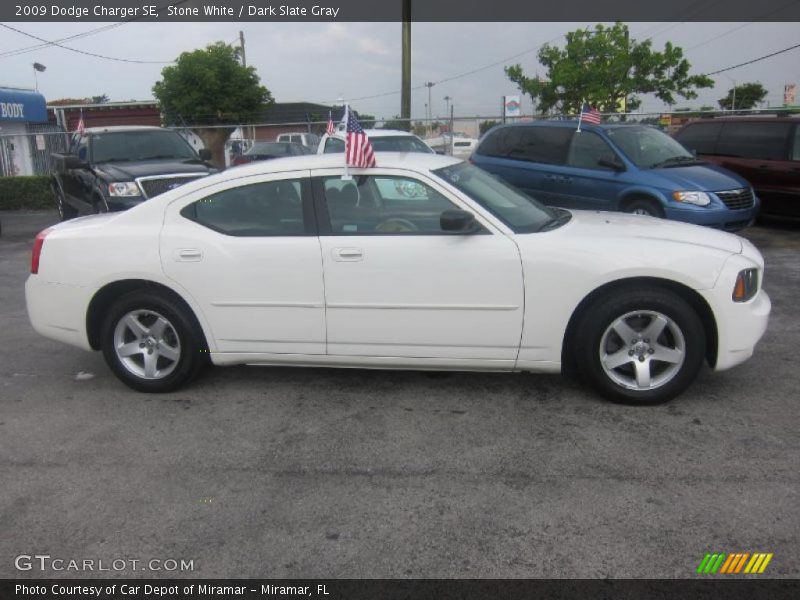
<point>396,225</point>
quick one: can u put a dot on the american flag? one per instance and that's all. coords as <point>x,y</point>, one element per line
<point>589,114</point>
<point>358,149</point>
<point>330,129</point>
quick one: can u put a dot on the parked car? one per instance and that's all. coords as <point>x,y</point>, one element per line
<point>765,151</point>
<point>457,144</point>
<point>271,150</point>
<point>629,168</point>
<point>383,140</point>
<point>424,262</point>
<point>114,168</point>
<point>309,140</point>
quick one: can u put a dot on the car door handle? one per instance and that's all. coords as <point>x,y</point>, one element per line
<point>188,255</point>
<point>348,254</point>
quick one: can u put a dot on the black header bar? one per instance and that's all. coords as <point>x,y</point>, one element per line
<point>390,10</point>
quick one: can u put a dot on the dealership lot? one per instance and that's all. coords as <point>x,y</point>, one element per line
<point>282,472</point>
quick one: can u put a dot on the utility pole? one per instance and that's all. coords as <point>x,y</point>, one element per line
<point>405,94</point>
<point>241,46</point>
<point>447,104</point>
<point>429,85</point>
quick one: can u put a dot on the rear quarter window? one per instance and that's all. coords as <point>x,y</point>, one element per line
<point>548,145</point>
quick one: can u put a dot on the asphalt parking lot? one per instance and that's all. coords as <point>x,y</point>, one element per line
<point>281,472</point>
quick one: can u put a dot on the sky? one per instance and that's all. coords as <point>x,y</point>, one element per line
<point>360,62</point>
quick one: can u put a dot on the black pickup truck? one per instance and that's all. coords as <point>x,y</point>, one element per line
<point>115,168</point>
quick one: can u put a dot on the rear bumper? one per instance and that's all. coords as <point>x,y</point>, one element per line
<point>58,311</point>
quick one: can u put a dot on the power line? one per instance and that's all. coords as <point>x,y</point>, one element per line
<point>52,43</point>
<point>755,60</point>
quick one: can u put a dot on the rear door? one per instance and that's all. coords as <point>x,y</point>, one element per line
<point>247,252</point>
<point>759,152</point>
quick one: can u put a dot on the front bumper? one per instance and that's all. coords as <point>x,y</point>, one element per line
<point>716,216</point>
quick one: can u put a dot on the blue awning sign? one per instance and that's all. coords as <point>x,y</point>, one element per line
<point>22,106</point>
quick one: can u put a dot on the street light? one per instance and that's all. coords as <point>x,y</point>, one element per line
<point>733,98</point>
<point>429,85</point>
<point>37,68</point>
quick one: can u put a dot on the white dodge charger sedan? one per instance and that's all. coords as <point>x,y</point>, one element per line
<point>424,262</point>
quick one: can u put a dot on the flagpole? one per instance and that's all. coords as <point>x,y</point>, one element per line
<point>346,175</point>
<point>580,117</point>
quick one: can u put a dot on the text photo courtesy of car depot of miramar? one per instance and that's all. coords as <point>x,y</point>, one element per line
<point>500,323</point>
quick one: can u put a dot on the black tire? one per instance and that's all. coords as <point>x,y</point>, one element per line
<point>644,206</point>
<point>597,344</point>
<point>182,333</point>
<point>65,211</point>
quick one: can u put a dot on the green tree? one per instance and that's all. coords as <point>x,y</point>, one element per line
<point>747,96</point>
<point>395,123</point>
<point>210,87</point>
<point>607,69</point>
<point>102,99</point>
<point>485,126</point>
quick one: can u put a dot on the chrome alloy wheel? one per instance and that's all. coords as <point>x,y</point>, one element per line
<point>147,344</point>
<point>642,350</point>
<point>641,211</point>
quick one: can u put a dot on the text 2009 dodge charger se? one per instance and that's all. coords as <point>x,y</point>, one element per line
<point>424,262</point>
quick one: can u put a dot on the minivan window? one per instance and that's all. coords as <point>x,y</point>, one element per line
<point>748,139</point>
<point>701,137</point>
<point>546,145</point>
<point>586,149</point>
<point>649,148</point>
<point>520,212</point>
<point>796,151</point>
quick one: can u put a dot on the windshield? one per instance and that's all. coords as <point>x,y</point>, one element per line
<point>125,146</point>
<point>400,143</point>
<point>520,212</point>
<point>649,148</point>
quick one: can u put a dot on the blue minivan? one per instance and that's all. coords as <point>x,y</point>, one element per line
<point>625,167</point>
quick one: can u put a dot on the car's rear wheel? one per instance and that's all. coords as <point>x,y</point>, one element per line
<point>640,346</point>
<point>150,343</point>
<point>643,206</point>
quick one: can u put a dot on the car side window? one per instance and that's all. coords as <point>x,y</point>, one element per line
<point>383,205</point>
<point>268,209</point>
<point>586,149</point>
<point>700,137</point>
<point>334,146</point>
<point>765,141</point>
<point>546,145</point>
<point>796,151</point>
<point>80,146</point>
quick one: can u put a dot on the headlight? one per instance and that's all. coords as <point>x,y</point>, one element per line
<point>123,188</point>
<point>746,285</point>
<point>698,198</point>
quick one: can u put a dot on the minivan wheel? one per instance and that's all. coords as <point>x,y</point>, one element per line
<point>150,344</point>
<point>649,208</point>
<point>640,346</point>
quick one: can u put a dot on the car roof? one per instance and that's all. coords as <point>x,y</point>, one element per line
<point>116,128</point>
<point>376,133</point>
<point>748,119</point>
<point>415,161</point>
<point>570,124</point>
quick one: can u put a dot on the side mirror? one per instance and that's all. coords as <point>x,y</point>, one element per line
<point>615,164</point>
<point>458,221</point>
<point>73,161</point>
<point>204,154</point>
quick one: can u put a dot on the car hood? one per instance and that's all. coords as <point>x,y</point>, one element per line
<point>706,178</point>
<point>133,170</point>
<point>638,230</point>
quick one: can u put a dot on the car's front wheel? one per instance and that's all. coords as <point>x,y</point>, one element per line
<point>150,343</point>
<point>640,346</point>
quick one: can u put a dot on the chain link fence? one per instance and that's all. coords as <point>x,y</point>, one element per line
<point>30,153</point>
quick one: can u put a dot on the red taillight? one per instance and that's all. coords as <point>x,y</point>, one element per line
<point>38,242</point>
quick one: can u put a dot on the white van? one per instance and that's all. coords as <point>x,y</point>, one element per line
<point>309,140</point>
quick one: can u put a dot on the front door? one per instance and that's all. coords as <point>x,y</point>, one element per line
<point>396,285</point>
<point>247,252</point>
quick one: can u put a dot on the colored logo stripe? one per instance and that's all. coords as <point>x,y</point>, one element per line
<point>738,562</point>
